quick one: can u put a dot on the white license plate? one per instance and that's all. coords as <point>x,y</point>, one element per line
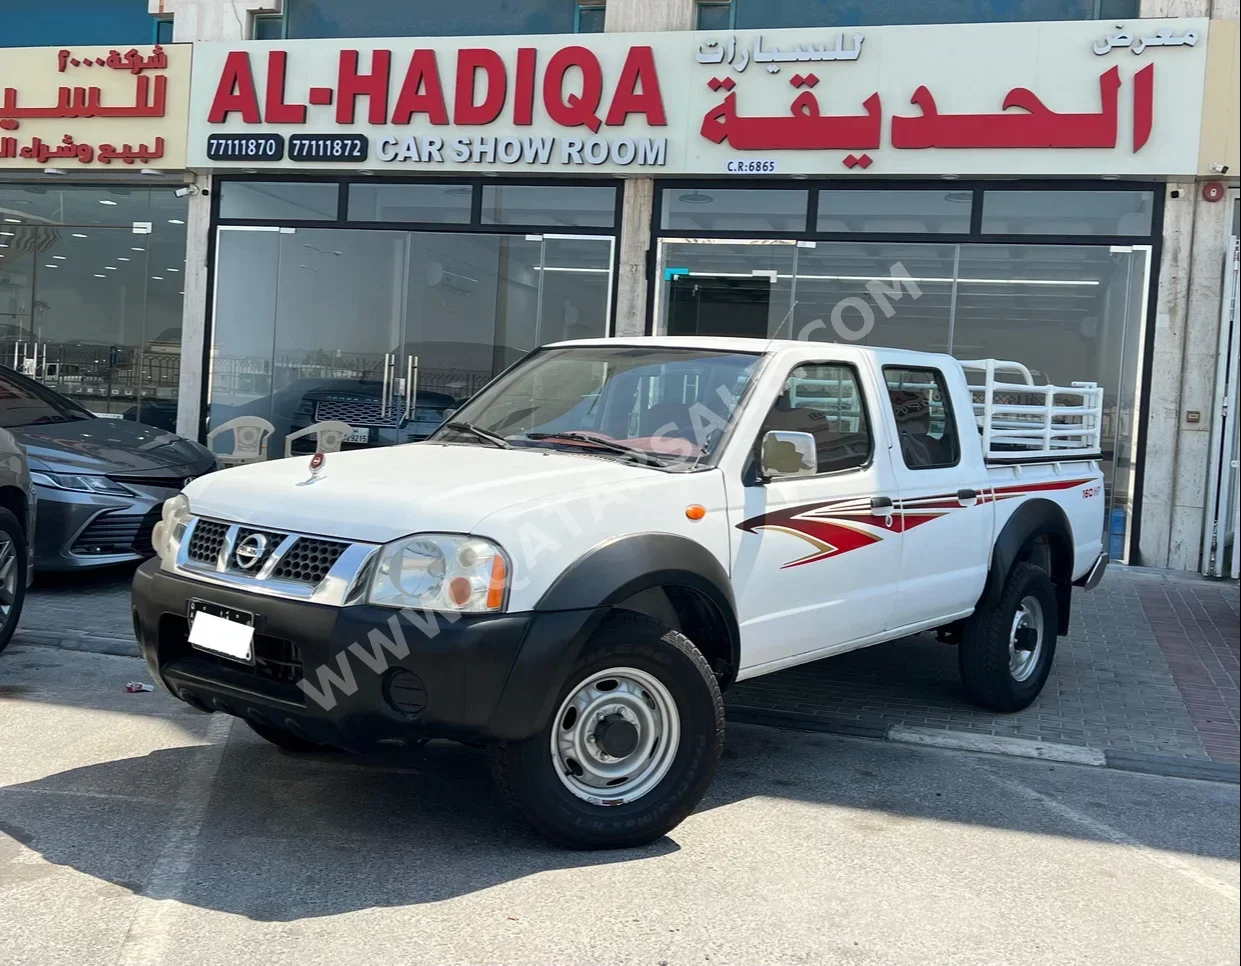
<point>359,436</point>
<point>219,635</point>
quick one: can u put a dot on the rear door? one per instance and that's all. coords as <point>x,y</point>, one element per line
<point>813,568</point>
<point>945,510</point>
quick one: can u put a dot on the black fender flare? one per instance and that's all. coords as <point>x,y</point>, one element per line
<point>581,597</point>
<point>1033,519</point>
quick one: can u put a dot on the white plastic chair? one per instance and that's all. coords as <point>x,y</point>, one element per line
<point>250,436</point>
<point>329,436</point>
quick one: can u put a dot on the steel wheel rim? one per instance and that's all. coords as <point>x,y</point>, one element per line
<point>611,696</point>
<point>1021,660</point>
<point>8,578</point>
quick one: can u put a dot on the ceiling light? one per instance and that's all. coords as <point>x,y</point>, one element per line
<point>150,172</point>
<point>97,275</point>
<point>59,257</point>
<point>51,266</point>
<point>11,234</point>
<point>108,201</point>
<point>172,270</point>
<point>175,221</point>
<point>55,171</point>
<point>137,249</point>
<point>158,278</point>
<point>78,234</point>
<point>695,198</point>
<point>109,268</point>
<point>950,177</point>
<point>13,221</point>
<point>122,258</point>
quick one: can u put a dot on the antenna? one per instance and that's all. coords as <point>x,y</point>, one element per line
<point>775,335</point>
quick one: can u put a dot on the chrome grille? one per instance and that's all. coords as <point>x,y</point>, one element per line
<point>358,413</point>
<point>207,540</point>
<point>309,560</point>
<point>295,566</point>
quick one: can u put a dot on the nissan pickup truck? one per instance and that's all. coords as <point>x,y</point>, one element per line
<point>575,565</point>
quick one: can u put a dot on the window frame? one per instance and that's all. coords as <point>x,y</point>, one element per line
<point>751,474</point>
<point>950,415</point>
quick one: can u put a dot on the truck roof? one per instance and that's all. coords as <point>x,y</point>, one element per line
<point>843,351</point>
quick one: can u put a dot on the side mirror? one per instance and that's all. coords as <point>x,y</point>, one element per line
<point>786,454</point>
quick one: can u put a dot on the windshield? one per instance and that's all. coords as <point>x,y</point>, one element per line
<point>23,402</point>
<point>670,403</point>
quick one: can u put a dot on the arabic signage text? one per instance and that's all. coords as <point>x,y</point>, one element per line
<point>1014,99</point>
<point>92,106</point>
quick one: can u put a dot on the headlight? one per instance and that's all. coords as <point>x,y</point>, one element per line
<point>82,482</point>
<point>442,572</point>
<point>167,535</point>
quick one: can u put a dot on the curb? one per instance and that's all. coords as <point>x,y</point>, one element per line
<point>1145,764</point>
<point>91,643</point>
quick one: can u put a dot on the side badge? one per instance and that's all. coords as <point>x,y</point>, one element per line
<point>316,469</point>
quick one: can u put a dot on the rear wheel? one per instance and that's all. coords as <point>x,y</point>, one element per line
<point>12,575</point>
<point>1006,651</point>
<point>633,744</point>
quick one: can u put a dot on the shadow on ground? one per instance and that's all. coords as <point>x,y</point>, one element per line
<point>291,837</point>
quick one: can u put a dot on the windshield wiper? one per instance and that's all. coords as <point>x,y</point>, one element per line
<point>638,455</point>
<point>495,439</point>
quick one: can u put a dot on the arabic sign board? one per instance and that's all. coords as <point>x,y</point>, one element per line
<point>94,107</point>
<point>1076,98</point>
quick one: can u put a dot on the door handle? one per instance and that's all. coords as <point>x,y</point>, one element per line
<point>383,398</point>
<point>411,385</point>
<point>881,506</point>
<point>967,497</point>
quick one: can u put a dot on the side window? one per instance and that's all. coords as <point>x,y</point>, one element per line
<point>924,422</point>
<point>825,400</point>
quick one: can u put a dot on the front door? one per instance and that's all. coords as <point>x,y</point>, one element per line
<point>813,567</point>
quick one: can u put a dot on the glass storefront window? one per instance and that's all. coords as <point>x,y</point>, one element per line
<point>90,306</point>
<point>1067,212</point>
<point>387,331</point>
<point>383,18</point>
<point>444,203</point>
<point>831,13</point>
<point>733,209</point>
<point>920,212</point>
<point>279,200</point>
<point>1069,312</point>
<point>551,205</point>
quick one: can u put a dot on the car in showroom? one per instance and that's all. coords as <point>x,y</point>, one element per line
<point>99,483</point>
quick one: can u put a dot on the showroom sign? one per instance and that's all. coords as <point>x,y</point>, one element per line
<point>1038,98</point>
<point>94,107</point>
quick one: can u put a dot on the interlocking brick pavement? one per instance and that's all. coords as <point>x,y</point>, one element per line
<point>1150,667</point>
<point>1129,677</point>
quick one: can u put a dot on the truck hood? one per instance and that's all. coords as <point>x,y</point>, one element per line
<point>377,495</point>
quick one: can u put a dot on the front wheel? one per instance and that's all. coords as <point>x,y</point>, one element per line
<point>1006,651</point>
<point>633,744</point>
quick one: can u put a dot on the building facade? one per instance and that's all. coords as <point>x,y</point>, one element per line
<point>374,227</point>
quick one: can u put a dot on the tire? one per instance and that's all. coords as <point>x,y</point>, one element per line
<point>1000,678</point>
<point>285,739</point>
<point>13,560</point>
<point>674,744</point>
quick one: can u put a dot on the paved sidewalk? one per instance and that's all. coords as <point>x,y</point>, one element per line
<point>1150,669</point>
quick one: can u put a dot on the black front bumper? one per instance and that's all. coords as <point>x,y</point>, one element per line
<point>321,673</point>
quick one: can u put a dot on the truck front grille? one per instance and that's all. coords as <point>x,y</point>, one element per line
<point>309,560</point>
<point>207,541</point>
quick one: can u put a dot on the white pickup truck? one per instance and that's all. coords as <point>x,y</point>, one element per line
<point>575,566</point>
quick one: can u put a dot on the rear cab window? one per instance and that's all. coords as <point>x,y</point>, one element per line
<point>925,425</point>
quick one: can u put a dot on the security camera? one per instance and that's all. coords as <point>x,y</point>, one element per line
<point>1216,167</point>
<point>186,190</point>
